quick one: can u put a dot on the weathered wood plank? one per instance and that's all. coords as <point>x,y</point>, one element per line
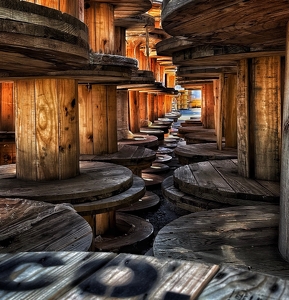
<point>27,225</point>
<point>232,283</point>
<point>97,180</point>
<point>235,236</point>
<point>101,276</point>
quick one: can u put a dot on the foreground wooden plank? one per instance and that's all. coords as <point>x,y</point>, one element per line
<point>27,225</point>
<point>71,275</point>
<point>232,283</point>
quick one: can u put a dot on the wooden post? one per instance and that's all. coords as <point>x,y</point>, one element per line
<point>284,186</point>
<point>134,111</point>
<point>266,112</point>
<point>46,113</point>
<point>122,113</point>
<point>98,128</point>
<point>151,100</point>
<point>230,111</point>
<point>243,118</point>
<point>218,93</point>
<point>120,42</point>
<point>161,105</point>
<point>208,106</point>
<point>259,117</point>
<point>46,129</point>
<point>156,107</point>
<point>7,120</point>
<point>143,109</point>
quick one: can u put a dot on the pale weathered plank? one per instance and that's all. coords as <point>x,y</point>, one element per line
<point>97,180</point>
<point>27,225</point>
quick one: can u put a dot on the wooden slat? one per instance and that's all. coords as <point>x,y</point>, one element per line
<point>97,180</point>
<point>36,226</point>
<point>235,236</point>
<point>233,283</point>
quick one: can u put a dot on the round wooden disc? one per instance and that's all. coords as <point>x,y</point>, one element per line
<point>136,230</point>
<point>163,150</point>
<point>152,180</point>
<point>27,225</point>
<point>192,153</point>
<point>162,158</point>
<point>219,180</point>
<point>149,200</point>
<point>148,141</point>
<point>127,197</point>
<point>156,168</point>
<point>96,179</point>
<point>245,236</point>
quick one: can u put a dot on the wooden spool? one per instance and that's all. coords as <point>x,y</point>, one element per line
<point>28,225</point>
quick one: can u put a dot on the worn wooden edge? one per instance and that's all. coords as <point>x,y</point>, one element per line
<point>122,200</point>
<point>127,155</point>
<point>83,188</point>
<point>157,168</point>
<point>78,274</point>
<point>221,195</point>
<point>185,201</point>
<point>149,200</point>
<point>27,225</point>
<point>139,230</point>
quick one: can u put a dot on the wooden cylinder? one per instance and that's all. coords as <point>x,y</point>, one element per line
<point>218,93</point>
<point>266,112</point>
<point>161,105</point>
<point>230,111</point>
<point>134,118</point>
<point>284,180</point>
<point>259,105</point>
<point>99,18</point>
<point>122,115</point>
<point>208,106</point>
<point>72,7</point>
<point>168,103</point>
<point>98,119</point>
<point>7,119</point>
<point>120,42</point>
<point>151,113</point>
<point>156,107</point>
<point>243,118</point>
<point>46,129</point>
<point>143,109</point>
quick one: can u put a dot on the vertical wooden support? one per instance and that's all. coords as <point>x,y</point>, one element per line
<point>151,113</point>
<point>134,111</point>
<point>266,112</point>
<point>170,82</point>
<point>98,102</point>
<point>218,93</point>
<point>7,119</point>
<point>230,111</point>
<point>156,107</point>
<point>99,18</point>
<point>208,106</point>
<point>161,105</point>
<point>105,222</point>
<point>122,115</point>
<point>243,118</point>
<point>119,41</point>
<point>168,103</point>
<point>143,109</point>
<point>46,129</point>
<point>284,181</point>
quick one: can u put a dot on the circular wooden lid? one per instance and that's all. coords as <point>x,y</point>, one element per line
<point>96,180</point>
<point>27,225</point>
<point>236,22</point>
